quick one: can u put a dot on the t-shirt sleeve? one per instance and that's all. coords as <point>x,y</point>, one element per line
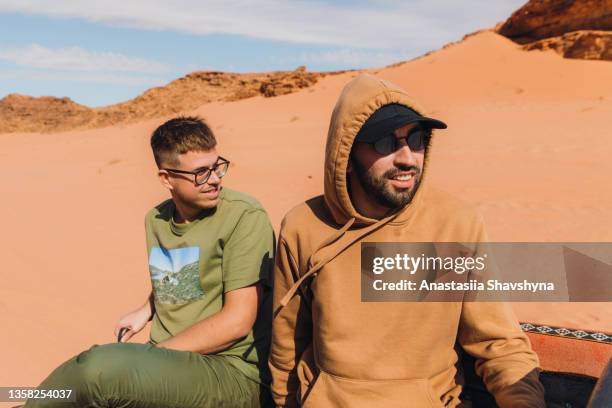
<point>248,254</point>
<point>148,231</point>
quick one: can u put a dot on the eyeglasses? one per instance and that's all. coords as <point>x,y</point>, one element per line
<point>417,139</point>
<point>202,175</point>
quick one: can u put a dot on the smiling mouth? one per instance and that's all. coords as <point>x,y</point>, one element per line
<point>403,177</point>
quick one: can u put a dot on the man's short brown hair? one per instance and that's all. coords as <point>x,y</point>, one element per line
<point>178,136</point>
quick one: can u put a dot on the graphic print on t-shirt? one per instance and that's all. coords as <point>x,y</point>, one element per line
<point>175,274</point>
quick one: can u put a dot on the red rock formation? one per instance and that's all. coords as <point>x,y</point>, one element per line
<point>584,44</point>
<point>48,114</point>
<point>572,28</point>
<point>540,19</point>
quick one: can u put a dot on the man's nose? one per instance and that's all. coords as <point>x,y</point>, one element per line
<point>213,179</point>
<point>404,157</point>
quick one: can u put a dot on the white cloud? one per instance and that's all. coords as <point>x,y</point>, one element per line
<point>79,59</point>
<point>383,24</point>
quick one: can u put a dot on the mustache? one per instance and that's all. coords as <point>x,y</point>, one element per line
<point>396,170</point>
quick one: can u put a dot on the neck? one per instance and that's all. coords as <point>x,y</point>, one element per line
<point>372,211</point>
<point>185,214</point>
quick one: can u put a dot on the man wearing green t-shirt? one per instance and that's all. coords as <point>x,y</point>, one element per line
<point>210,255</point>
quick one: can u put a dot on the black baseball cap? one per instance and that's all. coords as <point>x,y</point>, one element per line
<point>390,117</point>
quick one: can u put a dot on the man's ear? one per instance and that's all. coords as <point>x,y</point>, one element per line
<point>164,179</point>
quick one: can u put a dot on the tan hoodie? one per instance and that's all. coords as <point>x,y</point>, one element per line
<point>329,349</point>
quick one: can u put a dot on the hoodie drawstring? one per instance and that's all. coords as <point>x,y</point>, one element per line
<point>312,271</point>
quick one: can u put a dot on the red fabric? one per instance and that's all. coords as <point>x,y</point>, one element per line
<point>569,355</point>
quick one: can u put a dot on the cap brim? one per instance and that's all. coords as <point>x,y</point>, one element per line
<point>432,123</point>
<point>371,134</point>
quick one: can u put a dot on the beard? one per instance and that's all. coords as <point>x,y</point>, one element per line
<point>382,191</point>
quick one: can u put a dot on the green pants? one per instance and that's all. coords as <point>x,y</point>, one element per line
<point>141,375</point>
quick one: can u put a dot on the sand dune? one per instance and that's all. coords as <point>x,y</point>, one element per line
<point>528,143</point>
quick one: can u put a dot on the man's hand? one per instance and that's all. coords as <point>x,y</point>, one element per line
<point>221,330</point>
<point>135,321</point>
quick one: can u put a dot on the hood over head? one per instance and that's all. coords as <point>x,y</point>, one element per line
<point>359,99</point>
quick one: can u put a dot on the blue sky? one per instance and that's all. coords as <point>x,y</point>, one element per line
<point>100,53</point>
<point>173,259</point>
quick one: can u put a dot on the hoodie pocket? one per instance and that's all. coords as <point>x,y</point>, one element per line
<point>328,390</point>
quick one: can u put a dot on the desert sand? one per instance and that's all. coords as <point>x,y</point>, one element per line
<point>528,144</point>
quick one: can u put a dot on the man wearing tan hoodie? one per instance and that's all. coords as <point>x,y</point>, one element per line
<point>330,349</point>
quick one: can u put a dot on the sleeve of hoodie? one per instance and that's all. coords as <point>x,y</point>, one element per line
<point>490,332</point>
<point>291,329</point>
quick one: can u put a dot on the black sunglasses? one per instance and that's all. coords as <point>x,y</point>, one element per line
<point>417,139</point>
<point>202,175</point>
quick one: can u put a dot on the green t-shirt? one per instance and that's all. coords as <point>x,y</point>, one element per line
<point>192,265</point>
